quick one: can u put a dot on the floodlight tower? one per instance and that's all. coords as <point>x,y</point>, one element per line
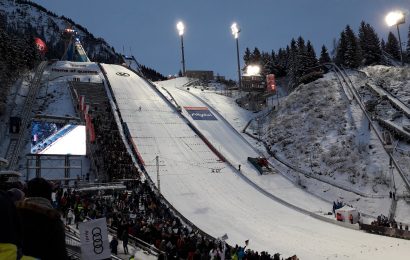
<point>235,32</point>
<point>181,28</point>
<point>396,18</point>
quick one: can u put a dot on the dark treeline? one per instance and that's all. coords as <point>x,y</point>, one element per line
<point>151,74</point>
<point>299,63</point>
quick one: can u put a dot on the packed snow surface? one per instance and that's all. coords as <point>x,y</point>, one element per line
<point>223,202</point>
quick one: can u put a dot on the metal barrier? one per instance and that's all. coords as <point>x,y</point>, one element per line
<point>385,231</point>
<point>142,244</point>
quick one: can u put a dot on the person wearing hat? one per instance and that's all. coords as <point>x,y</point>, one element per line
<point>16,195</point>
<point>43,234</point>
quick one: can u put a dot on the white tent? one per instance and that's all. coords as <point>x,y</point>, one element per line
<point>347,214</point>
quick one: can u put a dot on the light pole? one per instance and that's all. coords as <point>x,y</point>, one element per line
<point>180,28</point>
<point>396,18</point>
<point>235,33</point>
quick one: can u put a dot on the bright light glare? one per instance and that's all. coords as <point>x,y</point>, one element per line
<point>394,18</point>
<point>253,70</point>
<point>180,27</point>
<point>235,30</point>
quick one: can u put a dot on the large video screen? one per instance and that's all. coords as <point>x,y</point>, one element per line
<point>56,138</point>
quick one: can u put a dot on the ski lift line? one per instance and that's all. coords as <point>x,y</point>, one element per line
<point>394,101</point>
<point>348,95</point>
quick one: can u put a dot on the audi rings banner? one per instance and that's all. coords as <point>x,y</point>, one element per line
<point>94,240</point>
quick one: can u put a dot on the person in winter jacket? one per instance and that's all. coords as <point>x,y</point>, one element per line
<point>43,234</point>
<point>70,216</point>
<point>10,235</point>
<point>114,246</point>
<point>124,237</point>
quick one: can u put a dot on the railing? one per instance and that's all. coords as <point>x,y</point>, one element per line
<point>142,244</point>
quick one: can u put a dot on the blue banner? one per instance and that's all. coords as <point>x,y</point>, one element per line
<point>200,113</point>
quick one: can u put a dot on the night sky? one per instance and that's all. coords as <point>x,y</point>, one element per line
<point>147,28</point>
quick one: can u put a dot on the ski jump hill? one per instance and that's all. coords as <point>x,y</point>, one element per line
<point>197,175</point>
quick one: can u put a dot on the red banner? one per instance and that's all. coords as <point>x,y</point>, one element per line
<point>270,82</point>
<point>41,46</point>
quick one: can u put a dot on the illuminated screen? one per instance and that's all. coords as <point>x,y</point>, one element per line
<point>56,138</point>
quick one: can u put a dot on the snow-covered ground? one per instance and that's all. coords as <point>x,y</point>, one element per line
<point>224,202</point>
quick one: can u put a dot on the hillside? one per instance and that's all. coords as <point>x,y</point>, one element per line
<point>32,19</point>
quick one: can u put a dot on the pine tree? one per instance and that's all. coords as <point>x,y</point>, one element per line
<point>383,45</point>
<point>292,68</point>
<point>256,57</point>
<point>311,60</point>
<point>392,46</point>
<point>353,58</point>
<point>341,49</point>
<point>267,64</point>
<point>281,62</point>
<point>301,57</point>
<point>369,44</point>
<point>324,55</point>
<point>247,56</point>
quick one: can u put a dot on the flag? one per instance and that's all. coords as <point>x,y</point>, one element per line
<point>224,237</point>
<point>246,242</point>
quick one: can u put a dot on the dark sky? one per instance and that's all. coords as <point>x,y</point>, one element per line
<point>148,27</point>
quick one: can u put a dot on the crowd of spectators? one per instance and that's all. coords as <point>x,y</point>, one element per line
<point>383,221</point>
<point>30,228</point>
<point>109,150</point>
<point>138,212</point>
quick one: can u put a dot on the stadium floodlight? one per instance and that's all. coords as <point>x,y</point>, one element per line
<point>235,32</point>
<point>396,18</point>
<point>181,28</point>
<point>253,70</point>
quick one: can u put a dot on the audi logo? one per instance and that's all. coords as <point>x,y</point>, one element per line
<point>97,240</point>
<point>122,74</point>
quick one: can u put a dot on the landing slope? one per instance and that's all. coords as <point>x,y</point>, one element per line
<point>224,203</point>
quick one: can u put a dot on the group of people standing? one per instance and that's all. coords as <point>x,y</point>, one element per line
<point>30,228</point>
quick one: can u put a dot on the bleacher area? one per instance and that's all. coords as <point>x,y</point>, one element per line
<point>109,159</point>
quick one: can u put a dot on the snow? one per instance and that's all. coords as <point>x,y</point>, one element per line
<point>224,202</point>
<point>71,143</point>
<point>315,128</point>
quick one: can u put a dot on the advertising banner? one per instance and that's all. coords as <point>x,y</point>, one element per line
<point>270,82</point>
<point>200,113</point>
<point>94,240</point>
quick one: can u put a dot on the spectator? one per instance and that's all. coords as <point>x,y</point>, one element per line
<point>114,245</point>
<point>70,216</point>
<point>9,228</point>
<point>15,195</point>
<point>125,241</point>
<point>43,233</point>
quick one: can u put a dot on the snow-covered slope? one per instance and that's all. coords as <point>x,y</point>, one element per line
<point>223,202</point>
